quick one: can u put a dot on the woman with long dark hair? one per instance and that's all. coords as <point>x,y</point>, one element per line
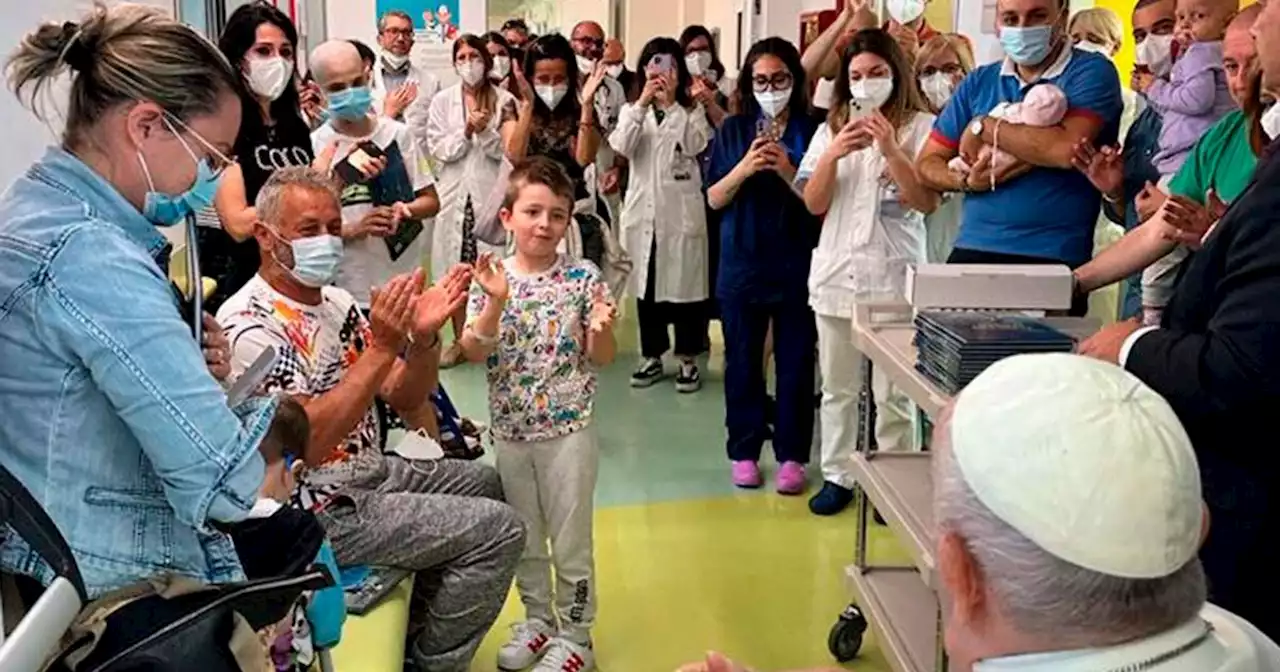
<point>663,227</point>
<point>766,241</point>
<point>505,62</point>
<point>553,122</point>
<point>707,72</point>
<point>860,174</point>
<point>467,129</point>
<point>261,43</point>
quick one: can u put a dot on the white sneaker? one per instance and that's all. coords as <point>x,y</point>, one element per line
<point>565,656</point>
<point>528,642</point>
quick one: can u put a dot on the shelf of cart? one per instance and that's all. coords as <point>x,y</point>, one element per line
<point>902,611</point>
<point>900,486</point>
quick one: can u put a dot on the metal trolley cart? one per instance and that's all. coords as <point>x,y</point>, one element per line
<point>901,600</point>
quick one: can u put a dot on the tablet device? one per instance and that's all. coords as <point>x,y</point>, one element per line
<point>252,378</point>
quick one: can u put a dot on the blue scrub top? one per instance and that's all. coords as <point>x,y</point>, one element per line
<point>766,234</point>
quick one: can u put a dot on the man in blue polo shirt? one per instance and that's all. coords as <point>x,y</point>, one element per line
<point>1039,210</point>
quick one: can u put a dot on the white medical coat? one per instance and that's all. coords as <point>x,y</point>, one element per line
<point>465,167</point>
<point>664,201</point>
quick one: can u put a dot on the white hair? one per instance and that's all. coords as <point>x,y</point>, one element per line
<point>270,198</point>
<point>1045,596</point>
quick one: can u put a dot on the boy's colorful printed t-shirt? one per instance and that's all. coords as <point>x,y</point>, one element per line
<point>541,384</point>
<point>316,346</point>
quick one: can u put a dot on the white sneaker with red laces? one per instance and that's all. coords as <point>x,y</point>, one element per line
<point>565,656</point>
<point>528,642</point>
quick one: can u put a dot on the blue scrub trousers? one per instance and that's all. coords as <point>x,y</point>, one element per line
<point>795,340</point>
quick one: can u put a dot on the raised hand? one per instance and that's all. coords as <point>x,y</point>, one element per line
<point>1188,222</point>
<point>1104,167</point>
<point>391,309</point>
<point>399,100</point>
<point>593,83</point>
<point>440,301</point>
<point>852,137</point>
<point>651,92</point>
<point>885,135</point>
<point>702,92</point>
<point>491,277</point>
<point>523,88</point>
<point>602,315</point>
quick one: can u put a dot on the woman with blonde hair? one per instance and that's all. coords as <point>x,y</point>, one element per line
<point>1096,29</point>
<point>942,63</point>
<point>152,111</point>
<point>859,172</point>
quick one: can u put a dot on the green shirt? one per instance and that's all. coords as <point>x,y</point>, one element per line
<point>1222,160</point>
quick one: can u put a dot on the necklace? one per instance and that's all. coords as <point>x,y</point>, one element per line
<point>1166,656</point>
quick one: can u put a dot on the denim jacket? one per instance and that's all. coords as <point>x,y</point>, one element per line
<point>110,416</point>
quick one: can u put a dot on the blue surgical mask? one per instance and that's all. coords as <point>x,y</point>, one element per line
<point>315,258</point>
<point>350,104</point>
<point>1027,46</point>
<point>168,209</point>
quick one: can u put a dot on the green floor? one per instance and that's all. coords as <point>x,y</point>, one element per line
<point>685,562</point>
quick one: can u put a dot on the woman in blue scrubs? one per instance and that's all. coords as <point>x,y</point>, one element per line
<point>766,240</point>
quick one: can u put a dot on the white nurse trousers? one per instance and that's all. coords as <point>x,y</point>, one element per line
<point>841,364</point>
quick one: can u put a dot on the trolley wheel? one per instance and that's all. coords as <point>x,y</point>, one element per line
<point>845,639</point>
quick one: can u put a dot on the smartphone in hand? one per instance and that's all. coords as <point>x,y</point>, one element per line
<point>351,167</point>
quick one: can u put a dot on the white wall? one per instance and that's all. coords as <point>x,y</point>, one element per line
<point>25,137</point>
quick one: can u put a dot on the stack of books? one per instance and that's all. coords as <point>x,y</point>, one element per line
<point>954,347</point>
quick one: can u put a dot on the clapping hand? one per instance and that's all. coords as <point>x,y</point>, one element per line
<point>1104,167</point>
<point>491,277</point>
<point>1189,223</point>
<point>440,301</point>
<point>477,120</point>
<point>593,84</point>
<point>399,100</point>
<point>603,312</point>
<point>391,309</point>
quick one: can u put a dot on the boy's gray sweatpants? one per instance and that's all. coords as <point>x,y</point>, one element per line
<point>446,520</point>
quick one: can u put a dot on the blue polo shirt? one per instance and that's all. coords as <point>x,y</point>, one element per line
<point>1047,213</point>
<point>767,236</point>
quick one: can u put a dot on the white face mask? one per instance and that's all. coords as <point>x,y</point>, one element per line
<point>699,63</point>
<point>870,93</point>
<point>501,67</point>
<point>614,71</point>
<point>1271,121</point>
<point>772,103</point>
<point>585,66</point>
<point>470,72</point>
<point>938,88</point>
<point>551,95</point>
<point>268,77</point>
<point>1156,53</point>
<point>1086,45</point>
<point>905,11</point>
<point>394,61</point>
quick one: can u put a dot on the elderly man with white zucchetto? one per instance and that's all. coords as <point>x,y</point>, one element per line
<point>1067,499</point>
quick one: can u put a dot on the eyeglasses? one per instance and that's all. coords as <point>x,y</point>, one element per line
<point>593,41</point>
<point>218,161</point>
<point>399,32</point>
<point>777,82</point>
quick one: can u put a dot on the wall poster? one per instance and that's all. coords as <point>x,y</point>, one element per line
<point>434,21</point>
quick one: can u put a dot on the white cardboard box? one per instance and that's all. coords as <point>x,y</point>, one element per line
<point>989,286</point>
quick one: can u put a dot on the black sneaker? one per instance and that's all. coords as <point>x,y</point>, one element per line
<point>649,372</point>
<point>689,379</point>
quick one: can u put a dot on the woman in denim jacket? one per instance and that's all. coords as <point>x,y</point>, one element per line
<point>111,417</point>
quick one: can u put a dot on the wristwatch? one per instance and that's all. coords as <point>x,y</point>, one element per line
<point>976,127</point>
